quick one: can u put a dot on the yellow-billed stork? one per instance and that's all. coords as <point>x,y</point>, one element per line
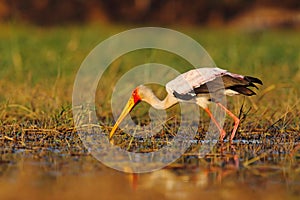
<point>196,85</point>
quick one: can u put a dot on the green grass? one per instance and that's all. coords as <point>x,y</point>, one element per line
<point>38,67</point>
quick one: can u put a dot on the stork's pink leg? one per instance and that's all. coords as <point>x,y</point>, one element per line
<point>222,132</point>
<point>236,120</point>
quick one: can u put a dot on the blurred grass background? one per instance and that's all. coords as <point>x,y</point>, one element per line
<point>36,56</point>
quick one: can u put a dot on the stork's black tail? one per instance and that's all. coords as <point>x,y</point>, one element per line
<point>242,88</point>
<point>253,80</point>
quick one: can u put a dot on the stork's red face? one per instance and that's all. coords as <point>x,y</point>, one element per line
<point>134,100</point>
<point>135,95</point>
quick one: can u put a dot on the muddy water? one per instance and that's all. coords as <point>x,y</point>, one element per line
<point>54,175</point>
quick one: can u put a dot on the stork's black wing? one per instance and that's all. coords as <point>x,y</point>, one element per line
<point>239,84</point>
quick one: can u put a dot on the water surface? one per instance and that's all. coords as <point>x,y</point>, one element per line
<point>25,174</point>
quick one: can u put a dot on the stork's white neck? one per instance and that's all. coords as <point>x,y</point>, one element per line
<point>148,96</point>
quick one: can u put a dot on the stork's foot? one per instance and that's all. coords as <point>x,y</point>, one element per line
<point>222,134</point>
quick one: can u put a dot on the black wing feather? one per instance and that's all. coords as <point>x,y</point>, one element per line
<point>253,80</point>
<point>186,97</point>
<point>242,90</point>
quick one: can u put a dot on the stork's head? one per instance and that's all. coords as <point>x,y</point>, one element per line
<point>136,97</point>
